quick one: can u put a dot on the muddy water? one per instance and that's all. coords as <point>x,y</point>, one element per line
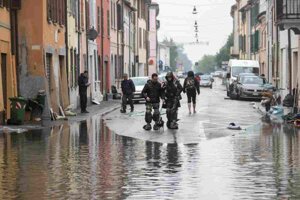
<point>87,161</point>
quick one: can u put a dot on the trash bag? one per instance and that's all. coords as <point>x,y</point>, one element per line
<point>288,101</point>
<point>233,126</point>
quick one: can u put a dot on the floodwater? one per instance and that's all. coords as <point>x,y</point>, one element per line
<point>87,161</point>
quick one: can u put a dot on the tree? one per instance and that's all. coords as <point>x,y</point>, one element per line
<point>224,53</point>
<point>206,64</point>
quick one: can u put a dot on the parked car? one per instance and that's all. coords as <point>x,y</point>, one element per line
<point>218,74</point>
<point>206,81</point>
<point>247,86</point>
<point>162,78</point>
<point>180,75</point>
<point>139,83</point>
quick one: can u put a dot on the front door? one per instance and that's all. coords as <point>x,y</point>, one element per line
<point>4,82</point>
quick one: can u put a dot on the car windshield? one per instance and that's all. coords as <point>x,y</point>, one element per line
<point>140,81</point>
<point>236,71</point>
<point>162,78</point>
<point>205,78</point>
<point>251,80</point>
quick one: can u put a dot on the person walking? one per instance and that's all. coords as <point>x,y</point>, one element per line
<point>128,88</point>
<point>152,93</point>
<point>191,87</point>
<point>83,82</point>
<point>172,92</point>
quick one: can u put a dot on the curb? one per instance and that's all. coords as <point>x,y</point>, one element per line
<point>110,110</point>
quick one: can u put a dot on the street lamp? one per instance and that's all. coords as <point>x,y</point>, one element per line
<point>196,24</point>
<point>195,10</point>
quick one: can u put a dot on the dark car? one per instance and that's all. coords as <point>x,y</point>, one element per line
<point>247,87</point>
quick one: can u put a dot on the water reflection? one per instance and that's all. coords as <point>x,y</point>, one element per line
<point>87,161</point>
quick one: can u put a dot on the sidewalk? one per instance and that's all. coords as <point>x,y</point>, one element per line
<point>104,108</point>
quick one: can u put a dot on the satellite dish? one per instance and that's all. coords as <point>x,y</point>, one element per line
<point>92,34</point>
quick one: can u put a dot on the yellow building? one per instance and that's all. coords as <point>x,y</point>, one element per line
<point>8,78</point>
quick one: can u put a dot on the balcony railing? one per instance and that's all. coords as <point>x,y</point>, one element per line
<point>288,9</point>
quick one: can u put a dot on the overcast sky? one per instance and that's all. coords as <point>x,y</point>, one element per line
<point>214,21</point>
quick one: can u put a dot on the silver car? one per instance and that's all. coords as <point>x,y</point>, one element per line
<point>139,83</point>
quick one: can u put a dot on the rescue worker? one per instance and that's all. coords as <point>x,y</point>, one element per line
<point>152,93</point>
<point>172,92</point>
<point>83,83</point>
<point>128,88</point>
<point>191,87</point>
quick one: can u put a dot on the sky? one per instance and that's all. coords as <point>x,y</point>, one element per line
<point>214,24</point>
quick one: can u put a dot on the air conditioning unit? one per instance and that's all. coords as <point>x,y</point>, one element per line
<point>15,4</point>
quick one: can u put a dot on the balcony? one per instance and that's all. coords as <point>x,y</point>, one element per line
<point>288,14</point>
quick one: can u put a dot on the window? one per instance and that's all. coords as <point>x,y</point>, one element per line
<point>56,11</point>
<point>119,11</point>
<point>145,35</point>
<point>111,14</point>
<point>98,19</point>
<point>71,67</point>
<point>140,38</point>
<point>108,24</point>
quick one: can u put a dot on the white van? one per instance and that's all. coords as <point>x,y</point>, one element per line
<point>236,67</point>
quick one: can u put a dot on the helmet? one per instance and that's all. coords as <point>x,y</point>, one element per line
<point>169,75</point>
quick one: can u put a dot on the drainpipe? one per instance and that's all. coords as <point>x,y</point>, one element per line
<point>123,37</point>
<point>15,43</point>
<point>102,50</point>
<point>118,53</point>
<point>87,29</point>
<point>129,45</point>
<point>79,37</point>
<point>290,59</point>
<point>67,43</point>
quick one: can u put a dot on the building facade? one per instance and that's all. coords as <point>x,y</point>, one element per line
<point>103,43</point>
<point>8,57</point>
<point>153,43</point>
<point>92,60</point>
<point>142,38</point>
<point>269,32</point>
<point>42,51</point>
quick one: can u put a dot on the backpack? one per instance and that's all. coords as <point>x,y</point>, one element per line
<point>190,84</point>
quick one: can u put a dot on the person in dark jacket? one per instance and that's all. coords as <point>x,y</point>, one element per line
<point>128,88</point>
<point>83,83</point>
<point>191,87</point>
<point>172,92</point>
<point>152,93</point>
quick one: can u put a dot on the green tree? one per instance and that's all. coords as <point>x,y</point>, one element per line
<point>224,53</point>
<point>206,64</point>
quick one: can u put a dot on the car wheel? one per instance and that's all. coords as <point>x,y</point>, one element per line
<point>238,96</point>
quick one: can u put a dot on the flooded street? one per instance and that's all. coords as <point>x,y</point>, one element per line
<point>89,162</point>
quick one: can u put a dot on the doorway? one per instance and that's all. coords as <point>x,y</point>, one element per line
<point>3,69</point>
<point>4,81</point>
<point>295,69</point>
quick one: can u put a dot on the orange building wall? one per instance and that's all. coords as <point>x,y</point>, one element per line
<point>5,47</point>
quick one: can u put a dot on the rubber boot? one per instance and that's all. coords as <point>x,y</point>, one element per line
<point>173,125</point>
<point>189,106</point>
<point>147,127</point>
<point>155,127</point>
<point>194,106</point>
